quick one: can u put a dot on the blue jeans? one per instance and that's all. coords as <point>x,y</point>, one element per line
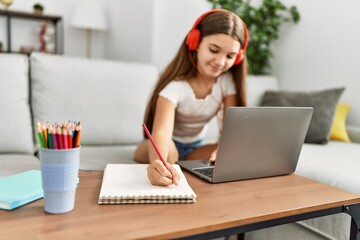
<point>185,149</point>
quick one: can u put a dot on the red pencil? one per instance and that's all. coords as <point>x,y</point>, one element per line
<point>65,138</point>
<point>54,137</point>
<point>154,145</point>
<point>60,138</point>
<point>69,137</point>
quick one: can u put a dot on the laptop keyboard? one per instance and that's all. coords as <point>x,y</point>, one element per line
<point>205,171</point>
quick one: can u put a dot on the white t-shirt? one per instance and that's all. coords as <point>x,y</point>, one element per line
<point>192,114</point>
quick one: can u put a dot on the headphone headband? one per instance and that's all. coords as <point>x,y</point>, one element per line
<point>204,15</point>
<point>194,35</point>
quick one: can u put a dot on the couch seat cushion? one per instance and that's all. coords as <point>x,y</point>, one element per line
<point>16,163</point>
<point>335,163</point>
<point>96,157</point>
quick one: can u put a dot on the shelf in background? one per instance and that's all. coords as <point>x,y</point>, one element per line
<point>55,19</point>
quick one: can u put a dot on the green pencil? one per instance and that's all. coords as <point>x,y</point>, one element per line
<point>49,137</point>
<point>40,136</point>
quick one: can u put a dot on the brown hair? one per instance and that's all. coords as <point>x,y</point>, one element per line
<point>181,67</point>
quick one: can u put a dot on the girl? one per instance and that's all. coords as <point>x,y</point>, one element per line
<point>207,74</point>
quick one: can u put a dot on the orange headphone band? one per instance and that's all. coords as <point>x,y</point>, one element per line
<point>193,37</point>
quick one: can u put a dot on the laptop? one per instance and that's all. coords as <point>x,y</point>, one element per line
<point>256,142</point>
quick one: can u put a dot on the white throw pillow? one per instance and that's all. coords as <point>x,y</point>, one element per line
<point>107,97</point>
<point>15,119</point>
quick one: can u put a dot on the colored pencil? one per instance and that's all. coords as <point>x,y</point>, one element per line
<point>44,132</point>
<point>154,145</point>
<point>65,138</point>
<point>70,137</point>
<point>50,138</point>
<point>60,138</point>
<point>64,135</point>
<point>77,135</point>
<point>40,137</point>
<point>54,137</point>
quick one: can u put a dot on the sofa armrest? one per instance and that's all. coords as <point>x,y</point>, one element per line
<point>354,133</point>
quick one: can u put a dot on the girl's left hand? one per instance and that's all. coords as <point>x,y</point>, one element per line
<point>213,155</point>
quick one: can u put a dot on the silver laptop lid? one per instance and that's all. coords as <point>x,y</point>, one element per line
<point>260,142</point>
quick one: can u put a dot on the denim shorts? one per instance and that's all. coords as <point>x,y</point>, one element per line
<point>185,149</point>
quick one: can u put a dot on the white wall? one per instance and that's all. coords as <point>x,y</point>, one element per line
<point>322,51</point>
<point>172,21</point>
<point>130,30</point>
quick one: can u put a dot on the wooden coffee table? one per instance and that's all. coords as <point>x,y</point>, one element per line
<point>221,209</point>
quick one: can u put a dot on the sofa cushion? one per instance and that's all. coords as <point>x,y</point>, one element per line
<point>338,130</point>
<point>16,126</point>
<point>324,104</point>
<point>96,157</point>
<point>354,133</point>
<point>16,163</point>
<point>107,97</point>
<point>336,164</point>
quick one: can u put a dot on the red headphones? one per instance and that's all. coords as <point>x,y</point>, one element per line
<point>193,37</point>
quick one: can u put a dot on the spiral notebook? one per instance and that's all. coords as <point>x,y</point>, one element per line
<point>128,183</point>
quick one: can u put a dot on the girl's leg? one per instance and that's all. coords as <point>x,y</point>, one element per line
<point>142,152</point>
<point>202,152</point>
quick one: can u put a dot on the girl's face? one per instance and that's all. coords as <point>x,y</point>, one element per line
<point>216,54</point>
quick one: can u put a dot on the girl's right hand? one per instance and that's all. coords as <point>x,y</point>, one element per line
<point>159,175</point>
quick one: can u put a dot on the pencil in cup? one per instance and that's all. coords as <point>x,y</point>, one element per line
<point>54,137</point>
<point>59,136</point>
<point>44,132</point>
<point>50,138</point>
<point>40,136</point>
<point>77,134</point>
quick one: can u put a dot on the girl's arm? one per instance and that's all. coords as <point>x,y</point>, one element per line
<point>162,131</point>
<point>163,127</point>
<point>230,101</point>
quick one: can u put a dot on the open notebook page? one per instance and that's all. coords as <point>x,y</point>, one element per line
<point>128,183</point>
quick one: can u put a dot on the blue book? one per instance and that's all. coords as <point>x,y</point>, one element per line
<point>20,189</point>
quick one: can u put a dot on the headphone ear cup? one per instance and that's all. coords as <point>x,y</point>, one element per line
<point>193,39</point>
<point>239,57</point>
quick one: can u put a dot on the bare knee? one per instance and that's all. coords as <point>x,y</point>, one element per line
<point>202,152</point>
<point>173,153</point>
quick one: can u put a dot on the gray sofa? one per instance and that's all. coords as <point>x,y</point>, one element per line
<point>109,99</point>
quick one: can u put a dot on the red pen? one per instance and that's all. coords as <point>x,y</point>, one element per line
<point>154,145</point>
